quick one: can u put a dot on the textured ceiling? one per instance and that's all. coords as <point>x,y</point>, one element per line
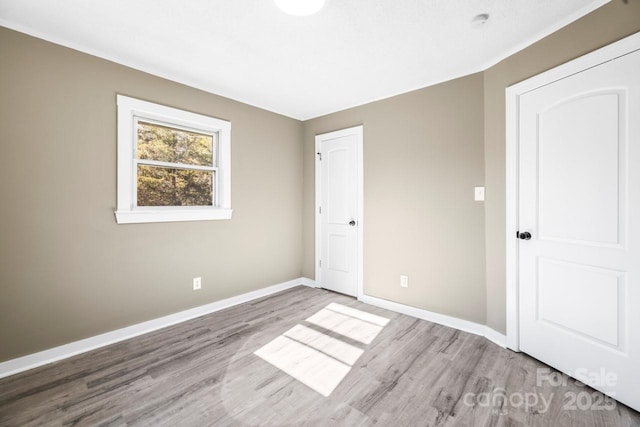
<point>350,53</point>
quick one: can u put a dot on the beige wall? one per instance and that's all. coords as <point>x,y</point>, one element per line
<point>422,158</point>
<point>423,154</point>
<point>67,271</point>
<point>603,26</point>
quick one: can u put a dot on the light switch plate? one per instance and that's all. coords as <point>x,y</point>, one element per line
<point>478,194</point>
<point>404,281</point>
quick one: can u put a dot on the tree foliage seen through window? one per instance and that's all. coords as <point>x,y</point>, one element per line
<point>188,178</point>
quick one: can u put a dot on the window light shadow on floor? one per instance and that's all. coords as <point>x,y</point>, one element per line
<point>319,360</point>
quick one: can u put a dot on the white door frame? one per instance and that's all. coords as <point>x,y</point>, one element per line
<point>359,132</point>
<point>513,93</point>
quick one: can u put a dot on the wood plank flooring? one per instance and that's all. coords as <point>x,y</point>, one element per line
<point>204,373</point>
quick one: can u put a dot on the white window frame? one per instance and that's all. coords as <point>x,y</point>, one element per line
<point>130,111</point>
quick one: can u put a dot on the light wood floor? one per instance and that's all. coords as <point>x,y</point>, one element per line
<point>204,372</point>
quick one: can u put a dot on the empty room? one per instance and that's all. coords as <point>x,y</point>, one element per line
<point>320,213</point>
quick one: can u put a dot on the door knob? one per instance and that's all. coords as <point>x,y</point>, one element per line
<point>524,236</point>
<point>352,223</point>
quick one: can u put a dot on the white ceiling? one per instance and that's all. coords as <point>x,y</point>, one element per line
<point>350,53</point>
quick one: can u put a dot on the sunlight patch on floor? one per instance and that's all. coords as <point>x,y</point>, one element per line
<point>316,359</point>
<point>340,350</point>
<point>311,367</point>
<point>355,324</point>
<point>358,314</point>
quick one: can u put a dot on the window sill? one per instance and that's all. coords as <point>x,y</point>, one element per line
<point>171,215</point>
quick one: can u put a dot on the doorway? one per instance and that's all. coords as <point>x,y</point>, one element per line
<point>339,211</point>
<point>573,219</point>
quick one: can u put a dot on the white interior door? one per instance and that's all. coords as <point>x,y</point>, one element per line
<point>338,210</point>
<point>579,198</point>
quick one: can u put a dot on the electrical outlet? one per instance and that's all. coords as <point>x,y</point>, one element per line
<point>197,283</point>
<point>404,281</point>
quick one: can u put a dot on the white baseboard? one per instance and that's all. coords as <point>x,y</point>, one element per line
<point>20,364</point>
<point>309,282</point>
<point>495,337</point>
<point>442,319</point>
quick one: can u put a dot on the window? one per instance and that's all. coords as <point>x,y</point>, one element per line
<point>173,165</point>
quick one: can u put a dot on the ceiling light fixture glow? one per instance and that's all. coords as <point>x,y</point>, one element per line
<point>300,7</point>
